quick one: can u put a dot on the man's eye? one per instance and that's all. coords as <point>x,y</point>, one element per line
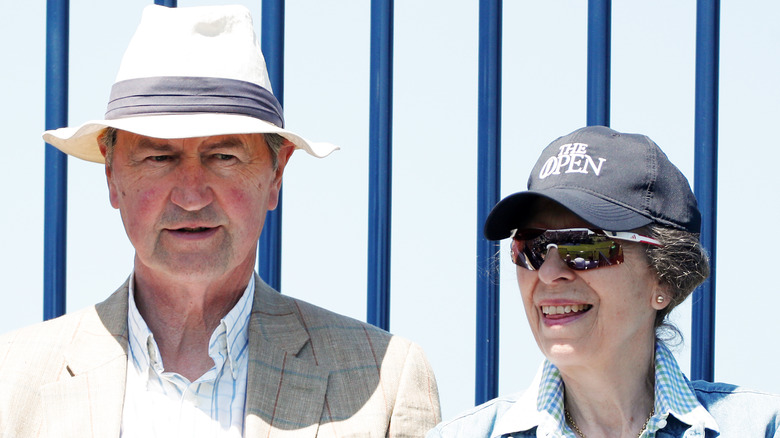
<point>224,157</point>
<point>159,158</point>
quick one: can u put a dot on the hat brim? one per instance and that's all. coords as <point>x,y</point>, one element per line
<point>81,142</point>
<point>516,210</point>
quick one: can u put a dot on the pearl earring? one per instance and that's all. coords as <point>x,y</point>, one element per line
<point>659,299</point>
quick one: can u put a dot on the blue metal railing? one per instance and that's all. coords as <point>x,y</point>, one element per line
<point>269,250</point>
<point>56,182</point>
<point>380,163</point>
<point>705,181</point>
<point>380,160</point>
<point>599,42</point>
<point>488,193</point>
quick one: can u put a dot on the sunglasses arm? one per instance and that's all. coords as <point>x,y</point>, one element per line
<point>632,237</point>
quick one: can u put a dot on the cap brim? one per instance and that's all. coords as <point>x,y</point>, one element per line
<point>516,210</point>
<point>81,142</point>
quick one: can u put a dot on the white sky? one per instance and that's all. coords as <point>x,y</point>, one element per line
<point>435,143</point>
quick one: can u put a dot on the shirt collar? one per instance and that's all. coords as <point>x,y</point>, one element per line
<point>541,405</point>
<point>235,327</point>
<point>675,396</point>
<point>229,340</point>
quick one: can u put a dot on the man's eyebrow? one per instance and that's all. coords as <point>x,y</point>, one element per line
<point>146,143</point>
<point>228,143</point>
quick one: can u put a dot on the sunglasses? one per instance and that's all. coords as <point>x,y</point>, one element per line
<point>580,248</point>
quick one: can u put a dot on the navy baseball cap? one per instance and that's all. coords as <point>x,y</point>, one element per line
<point>613,181</point>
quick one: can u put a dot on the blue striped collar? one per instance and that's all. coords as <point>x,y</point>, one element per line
<point>541,405</point>
<point>228,343</point>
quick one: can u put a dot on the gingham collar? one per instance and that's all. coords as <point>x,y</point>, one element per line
<point>541,405</point>
<point>675,396</point>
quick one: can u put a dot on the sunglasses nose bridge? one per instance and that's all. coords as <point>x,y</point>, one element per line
<point>544,255</point>
<point>554,268</point>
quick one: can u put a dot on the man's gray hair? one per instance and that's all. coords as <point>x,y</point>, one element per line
<point>273,141</point>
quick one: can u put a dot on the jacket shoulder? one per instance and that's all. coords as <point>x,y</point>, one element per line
<point>385,379</point>
<point>32,353</point>
<point>318,319</point>
<point>324,328</point>
<point>39,340</point>
<point>30,358</point>
<point>345,342</point>
<point>476,422</point>
<point>738,410</point>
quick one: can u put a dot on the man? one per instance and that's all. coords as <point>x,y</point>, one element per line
<point>194,343</point>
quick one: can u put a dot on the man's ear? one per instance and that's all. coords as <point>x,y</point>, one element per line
<point>112,190</point>
<point>282,158</point>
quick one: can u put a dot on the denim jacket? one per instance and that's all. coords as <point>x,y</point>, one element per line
<point>683,409</point>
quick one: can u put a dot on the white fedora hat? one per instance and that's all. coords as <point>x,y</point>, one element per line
<point>188,72</point>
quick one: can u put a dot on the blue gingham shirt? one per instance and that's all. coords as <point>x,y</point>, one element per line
<point>673,396</point>
<point>539,411</point>
<point>166,404</point>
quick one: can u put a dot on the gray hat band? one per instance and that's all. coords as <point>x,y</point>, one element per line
<point>182,94</point>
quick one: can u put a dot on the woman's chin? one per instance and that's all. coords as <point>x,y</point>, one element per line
<point>562,354</point>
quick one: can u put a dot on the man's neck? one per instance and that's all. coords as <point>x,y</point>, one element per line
<point>183,314</point>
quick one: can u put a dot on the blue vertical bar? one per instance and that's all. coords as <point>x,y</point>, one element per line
<point>269,251</point>
<point>169,3</point>
<point>705,181</point>
<point>599,49</point>
<point>56,178</point>
<point>380,163</point>
<point>488,193</point>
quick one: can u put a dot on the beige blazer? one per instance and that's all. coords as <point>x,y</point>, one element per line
<point>311,373</point>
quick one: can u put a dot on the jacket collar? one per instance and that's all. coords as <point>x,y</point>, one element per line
<point>285,394</point>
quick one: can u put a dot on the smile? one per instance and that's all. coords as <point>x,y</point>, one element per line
<point>562,310</point>
<point>193,230</point>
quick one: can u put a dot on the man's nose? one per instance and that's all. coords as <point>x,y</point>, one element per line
<point>191,188</point>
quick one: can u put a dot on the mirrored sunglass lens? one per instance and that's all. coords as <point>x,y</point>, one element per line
<point>590,256</point>
<point>579,249</point>
<point>520,255</point>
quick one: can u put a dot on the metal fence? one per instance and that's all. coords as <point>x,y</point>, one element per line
<point>380,161</point>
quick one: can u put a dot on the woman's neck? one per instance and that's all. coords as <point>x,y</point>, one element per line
<point>613,400</point>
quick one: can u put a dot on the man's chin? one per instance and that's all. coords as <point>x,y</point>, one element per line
<point>190,267</point>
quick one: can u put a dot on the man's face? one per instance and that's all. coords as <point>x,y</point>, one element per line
<point>194,208</point>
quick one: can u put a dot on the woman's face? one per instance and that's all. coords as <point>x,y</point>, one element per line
<point>612,309</point>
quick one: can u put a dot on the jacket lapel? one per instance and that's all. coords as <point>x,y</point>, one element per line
<point>285,393</point>
<point>87,401</point>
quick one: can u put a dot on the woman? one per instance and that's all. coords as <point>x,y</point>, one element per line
<point>606,245</point>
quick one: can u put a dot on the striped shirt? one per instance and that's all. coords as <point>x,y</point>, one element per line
<point>166,404</point>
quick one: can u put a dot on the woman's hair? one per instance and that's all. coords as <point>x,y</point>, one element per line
<point>681,264</point>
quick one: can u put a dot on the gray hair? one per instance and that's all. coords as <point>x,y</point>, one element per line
<point>273,141</point>
<point>681,264</point>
